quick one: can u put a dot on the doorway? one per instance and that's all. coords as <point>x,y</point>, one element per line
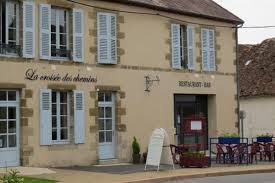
<point>106,107</point>
<point>9,128</point>
<point>186,107</point>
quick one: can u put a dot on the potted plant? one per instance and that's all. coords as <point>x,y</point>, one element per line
<point>136,151</point>
<point>194,159</point>
<point>265,138</point>
<point>228,138</point>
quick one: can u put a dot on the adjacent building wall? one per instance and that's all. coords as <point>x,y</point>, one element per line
<point>260,115</point>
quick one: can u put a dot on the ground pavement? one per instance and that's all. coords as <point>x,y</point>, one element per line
<point>135,173</point>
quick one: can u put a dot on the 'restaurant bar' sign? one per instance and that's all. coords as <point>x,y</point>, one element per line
<point>194,84</point>
<point>33,75</point>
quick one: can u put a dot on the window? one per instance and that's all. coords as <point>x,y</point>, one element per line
<point>60,116</point>
<point>59,33</point>
<point>182,47</point>
<point>107,38</point>
<point>208,49</point>
<point>9,35</point>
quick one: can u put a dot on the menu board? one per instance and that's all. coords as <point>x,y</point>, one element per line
<point>196,125</point>
<point>155,148</point>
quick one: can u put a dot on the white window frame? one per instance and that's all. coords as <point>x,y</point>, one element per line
<point>104,104</point>
<point>58,118</point>
<point>7,28</point>
<point>58,14</point>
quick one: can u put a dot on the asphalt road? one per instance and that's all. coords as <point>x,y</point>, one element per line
<point>252,178</point>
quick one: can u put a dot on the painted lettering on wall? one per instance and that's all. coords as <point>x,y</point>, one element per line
<point>194,84</point>
<point>33,75</point>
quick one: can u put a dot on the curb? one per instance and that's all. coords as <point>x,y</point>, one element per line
<point>213,174</point>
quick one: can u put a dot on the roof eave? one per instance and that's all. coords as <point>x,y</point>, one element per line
<point>236,22</point>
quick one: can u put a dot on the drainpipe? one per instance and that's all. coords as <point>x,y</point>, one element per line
<point>238,77</point>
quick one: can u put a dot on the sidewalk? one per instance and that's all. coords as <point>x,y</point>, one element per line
<point>89,175</point>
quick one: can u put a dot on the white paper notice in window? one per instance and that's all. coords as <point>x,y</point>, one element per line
<point>196,125</point>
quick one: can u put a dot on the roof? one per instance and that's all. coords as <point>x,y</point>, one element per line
<point>199,8</point>
<point>257,69</point>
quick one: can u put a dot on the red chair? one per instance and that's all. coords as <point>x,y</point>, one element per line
<point>221,154</point>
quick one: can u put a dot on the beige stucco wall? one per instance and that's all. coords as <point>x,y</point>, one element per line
<point>144,43</point>
<point>260,116</point>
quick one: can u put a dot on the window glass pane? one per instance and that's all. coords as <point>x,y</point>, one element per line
<point>62,22</point>
<point>53,50</point>
<point>53,109</point>
<point>3,126</point>
<point>54,134</point>
<point>101,137</point>
<point>12,140</point>
<point>64,134</point>
<point>101,112</point>
<point>53,40</point>
<point>54,122</point>
<point>109,136</point>
<point>63,97</point>
<point>109,124</point>
<point>101,124</point>
<point>64,121</point>
<point>3,95</point>
<point>108,97</point>
<point>3,141</point>
<point>12,95</point>
<point>63,109</point>
<point>12,112</point>
<point>63,39</point>
<point>53,97</point>
<point>3,112</point>
<point>53,20</point>
<point>108,112</point>
<point>101,97</point>
<point>12,126</point>
<point>12,34</point>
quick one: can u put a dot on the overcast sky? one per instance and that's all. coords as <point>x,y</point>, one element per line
<point>254,13</point>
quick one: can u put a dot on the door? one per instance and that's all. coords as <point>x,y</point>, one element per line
<point>106,107</point>
<point>9,128</point>
<point>187,106</point>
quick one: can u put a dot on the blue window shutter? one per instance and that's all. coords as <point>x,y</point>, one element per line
<point>45,117</point>
<point>78,35</point>
<point>28,29</point>
<point>45,31</point>
<point>205,49</point>
<point>175,42</point>
<point>212,51</point>
<point>190,48</point>
<point>79,117</point>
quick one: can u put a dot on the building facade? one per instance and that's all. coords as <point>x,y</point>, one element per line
<point>80,80</point>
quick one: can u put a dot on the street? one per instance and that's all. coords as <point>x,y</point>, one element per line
<point>251,178</point>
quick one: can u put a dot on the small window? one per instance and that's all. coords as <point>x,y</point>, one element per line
<point>9,32</point>
<point>60,116</point>
<point>59,33</point>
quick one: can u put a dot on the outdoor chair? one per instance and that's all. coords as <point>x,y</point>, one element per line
<point>221,154</point>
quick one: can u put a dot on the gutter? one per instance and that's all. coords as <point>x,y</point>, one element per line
<point>238,76</point>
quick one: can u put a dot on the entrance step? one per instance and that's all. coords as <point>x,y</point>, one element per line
<point>108,162</point>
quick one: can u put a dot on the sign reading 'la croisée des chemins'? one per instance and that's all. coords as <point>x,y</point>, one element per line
<point>33,75</point>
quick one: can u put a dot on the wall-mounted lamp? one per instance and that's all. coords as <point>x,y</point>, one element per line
<point>149,82</point>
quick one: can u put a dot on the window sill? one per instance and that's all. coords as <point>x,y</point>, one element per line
<point>9,55</point>
<point>60,142</point>
<point>66,59</point>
